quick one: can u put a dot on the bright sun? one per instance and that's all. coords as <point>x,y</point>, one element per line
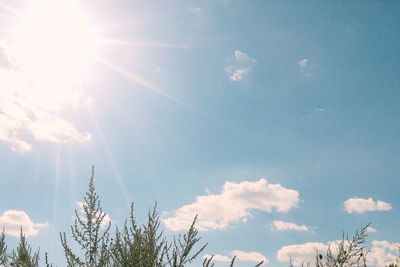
<point>53,40</point>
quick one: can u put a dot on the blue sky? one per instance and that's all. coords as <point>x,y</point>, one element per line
<point>277,122</point>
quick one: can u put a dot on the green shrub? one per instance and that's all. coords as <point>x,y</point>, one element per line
<point>146,246</point>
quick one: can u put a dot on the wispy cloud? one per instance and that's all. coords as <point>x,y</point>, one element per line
<point>232,204</point>
<point>305,67</point>
<point>361,205</point>
<point>242,256</point>
<point>289,226</point>
<point>13,220</point>
<point>303,63</point>
<point>239,66</point>
<point>197,10</point>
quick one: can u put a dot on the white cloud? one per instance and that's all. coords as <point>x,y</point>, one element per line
<point>371,230</point>
<point>306,252</point>
<point>306,67</point>
<point>250,256</point>
<point>234,203</point>
<point>382,253</point>
<point>242,56</point>
<point>31,107</point>
<point>300,253</point>
<point>361,205</point>
<point>13,220</point>
<point>106,219</point>
<point>289,226</point>
<point>242,256</point>
<point>238,74</point>
<point>303,63</point>
<point>218,257</point>
<point>239,66</point>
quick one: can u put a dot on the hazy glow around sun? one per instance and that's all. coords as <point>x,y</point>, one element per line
<point>53,39</point>
<point>49,46</point>
<point>49,51</point>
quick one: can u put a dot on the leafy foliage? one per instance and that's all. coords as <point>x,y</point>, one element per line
<point>133,246</point>
<point>182,247</point>
<point>146,246</point>
<point>23,255</point>
<point>89,233</point>
<point>3,249</point>
<point>350,252</point>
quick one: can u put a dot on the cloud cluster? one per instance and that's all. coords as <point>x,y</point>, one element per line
<point>306,252</point>
<point>382,253</point>
<point>31,108</point>
<point>289,226</point>
<point>240,65</point>
<point>232,204</point>
<point>13,220</point>
<point>361,205</point>
<point>242,256</point>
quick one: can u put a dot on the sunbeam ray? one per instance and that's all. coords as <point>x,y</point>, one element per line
<point>110,158</point>
<point>114,41</point>
<point>71,175</point>
<point>145,84</point>
<point>56,181</point>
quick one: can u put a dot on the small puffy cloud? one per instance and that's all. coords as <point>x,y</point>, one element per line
<point>300,253</point>
<point>241,256</point>
<point>242,56</point>
<point>371,230</point>
<point>382,253</point>
<point>234,203</point>
<point>289,226</point>
<point>361,205</point>
<point>239,66</point>
<point>238,74</point>
<point>81,212</point>
<point>13,220</point>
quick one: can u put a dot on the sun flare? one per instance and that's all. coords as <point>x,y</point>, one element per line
<point>53,40</point>
<point>50,52</point>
